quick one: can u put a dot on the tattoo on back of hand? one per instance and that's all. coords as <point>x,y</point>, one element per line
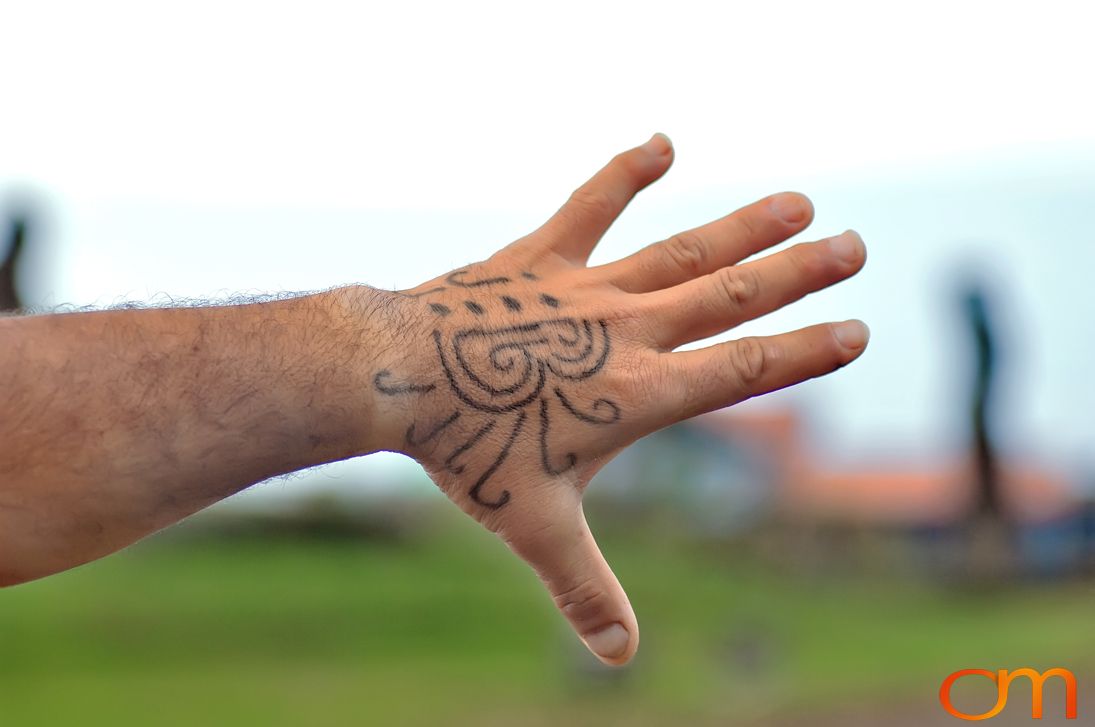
<point>498,373</point>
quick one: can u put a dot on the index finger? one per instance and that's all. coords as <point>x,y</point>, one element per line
<point>578,226</point>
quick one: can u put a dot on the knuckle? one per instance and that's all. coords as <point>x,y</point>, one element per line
<point>809,260</point>
<point>583,602</point>
<point>624,161</point>
<point>679,391</point>
<point>749,226</point>
<point>749,361</point>
<point>648,379</point>
<point>687,251</point>
<point>593,202</point>
<point>738,287</point>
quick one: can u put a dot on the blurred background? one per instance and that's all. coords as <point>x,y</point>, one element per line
<point>826,555</point>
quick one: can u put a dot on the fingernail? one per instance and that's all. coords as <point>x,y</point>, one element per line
<point>608,643</point>
<point>791,208</point>
<point>659,144</point>
<point>852,334</point>
<point>847,246</point>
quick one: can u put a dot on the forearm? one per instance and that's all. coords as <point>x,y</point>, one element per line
<point>512,381</point>
<point>118,423</point>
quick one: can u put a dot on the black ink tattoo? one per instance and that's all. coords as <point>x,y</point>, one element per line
<point>611,418</point>
<point>437,429</point>
<point>380,382</point>
<point>504,497</point>
<point>474,440</point>
<point>457,279</point>
<point>498,372</point>
<point>545,456</point>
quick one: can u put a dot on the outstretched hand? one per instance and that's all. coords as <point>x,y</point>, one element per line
<point>519,377</point>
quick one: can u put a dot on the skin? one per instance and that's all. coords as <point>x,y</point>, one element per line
<point>512,381</point>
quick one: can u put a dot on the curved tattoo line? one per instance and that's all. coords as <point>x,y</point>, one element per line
<point>504,497</point>
<point>508,354</point>
<point>471,442</point>
<point>455,279</point>
<point>574,342</point>
<point>585,374</point>
<point>590,418</point>
<point>467,399</point>
<point>572,349</point>
<point>574,329</point>
<point>378,382</point>
<point>545,457</point>
<point>437,429</point>
<point>522,347</point>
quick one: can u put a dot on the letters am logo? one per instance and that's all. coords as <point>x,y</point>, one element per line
<point>1003,679</point>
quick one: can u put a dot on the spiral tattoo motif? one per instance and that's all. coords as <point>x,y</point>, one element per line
<point>499,373</point>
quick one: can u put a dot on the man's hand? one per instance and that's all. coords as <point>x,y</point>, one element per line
<point>512,381</point>
<point>515,379</point>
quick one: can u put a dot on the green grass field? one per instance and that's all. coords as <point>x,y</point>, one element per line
<point>450,629</point>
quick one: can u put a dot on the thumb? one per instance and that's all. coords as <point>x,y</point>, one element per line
<point>583,586</point>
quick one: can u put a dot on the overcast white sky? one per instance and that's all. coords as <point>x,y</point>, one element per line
<point>227,147</point>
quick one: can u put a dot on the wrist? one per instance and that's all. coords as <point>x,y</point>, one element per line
<point>363,322</point>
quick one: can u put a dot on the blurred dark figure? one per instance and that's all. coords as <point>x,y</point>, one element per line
<point>988,501</point>
<point>991,542</point>
<point>15,239</point>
